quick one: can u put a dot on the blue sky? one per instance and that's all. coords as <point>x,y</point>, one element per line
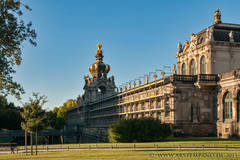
<point>138,36</point>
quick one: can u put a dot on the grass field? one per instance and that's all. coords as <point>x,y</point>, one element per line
<point>127,155</point>
<point>184,142</point>
<point>132,154</point>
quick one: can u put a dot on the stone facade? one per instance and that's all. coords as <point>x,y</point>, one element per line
<point>201,98</point>
<point>228,123</point>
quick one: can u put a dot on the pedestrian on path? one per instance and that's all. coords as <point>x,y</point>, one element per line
<point>12,148</point>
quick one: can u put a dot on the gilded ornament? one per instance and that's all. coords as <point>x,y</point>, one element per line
<point>217,17</point>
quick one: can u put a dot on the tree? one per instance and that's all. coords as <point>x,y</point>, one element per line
<point>34,116</point>
<point>138,130</point>
<point>10,117</point>
<point>13,32</point>
<point>58,116</point>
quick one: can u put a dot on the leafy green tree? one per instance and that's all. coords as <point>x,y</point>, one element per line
<point>62,111</point>
<point>54,121</point>
<point>138,130</point>
<point>58,116</point>
<point>3,102</point>
<point>13,32</point>
<point>10,118</point>
<point>34,116</point>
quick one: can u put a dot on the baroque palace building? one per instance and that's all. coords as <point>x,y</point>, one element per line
<point>201,97</point>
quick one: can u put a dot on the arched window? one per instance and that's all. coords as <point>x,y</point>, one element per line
<point>183,69</point>
<point>192,67</point>
<point>227,107</point>
<point>203,65</point>
<point>238,106</point>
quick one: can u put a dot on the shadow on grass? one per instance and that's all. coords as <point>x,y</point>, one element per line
<point>199,139</point>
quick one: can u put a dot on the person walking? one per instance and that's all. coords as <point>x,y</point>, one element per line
<point>12,148</point>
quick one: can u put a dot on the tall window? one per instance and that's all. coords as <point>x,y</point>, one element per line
<point>143,107</point>
<point>183,69</point>
<point>167,108</point>
<point>131,108</point>
<point>159,115</point>
<point>203,65</point>
<point>238,106</point>
<point>136,107</point>
<point>159,103</point>
<point>151,104</point>
<point>227,107</point>
<point>192,67</point>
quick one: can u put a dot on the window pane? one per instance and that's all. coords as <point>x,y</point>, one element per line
<point>192,67</point>
<point>183,69</point>
<point>203,65</point>
<point>227,106</point>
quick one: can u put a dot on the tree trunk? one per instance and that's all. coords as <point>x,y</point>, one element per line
<point>31,143</point>
<point>25,141</point>
<point>36,139</point>
<point>61,137</point>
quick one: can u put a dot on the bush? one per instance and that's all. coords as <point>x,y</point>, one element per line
<point>138,130</point>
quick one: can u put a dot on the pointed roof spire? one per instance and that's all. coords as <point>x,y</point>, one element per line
<point>217,17</point>
<point>99,69</point>
<point>99,52</point>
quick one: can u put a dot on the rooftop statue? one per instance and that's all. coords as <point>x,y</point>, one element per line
<point>217,17</point>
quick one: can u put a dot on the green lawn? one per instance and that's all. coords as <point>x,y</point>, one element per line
<point>136,154</point>
<point>127,155</point>
<point>184,142</point>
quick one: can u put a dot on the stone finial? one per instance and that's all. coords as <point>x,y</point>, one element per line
<point>155,76</point>
<point>134,84</point>
<point>209,34</point>
<point>146,79</point>
<point>217,17</point>
<point>231,36</point>
<point>129,85</point>
<point>179,47</point>
<point>162,74</point>
<point>139,82</point>
<point>186,45</point>
<point>192,35</point>
<point>174,69</point>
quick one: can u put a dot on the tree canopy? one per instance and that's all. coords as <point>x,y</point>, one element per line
<point>58,116</point>
<point>10,118</point>
<point>33,114</point>
<point>138,130</point>
<point>13,32</point>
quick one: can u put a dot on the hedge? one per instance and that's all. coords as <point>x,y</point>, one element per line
<point>138,130</point>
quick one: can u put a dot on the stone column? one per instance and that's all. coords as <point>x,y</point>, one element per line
<point>187,66</point>
<point>220,107</point>
<point>179,71</point>
<point>197,61</point>
<point>211,62</point>
<point>134,107</point>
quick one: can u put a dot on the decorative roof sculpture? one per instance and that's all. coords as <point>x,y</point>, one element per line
<point>217,17</point>
<point>99,69</point>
